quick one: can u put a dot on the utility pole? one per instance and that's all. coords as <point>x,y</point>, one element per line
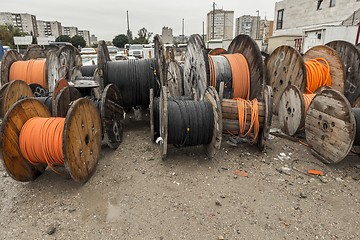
<point>203,31</point>
<point>258,24</point>
<point>128,25</point>
<point>213,22</point>
<point>183,30</point>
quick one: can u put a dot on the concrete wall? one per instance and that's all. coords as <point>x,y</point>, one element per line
<point>276,41</point>
<point>300,14</point>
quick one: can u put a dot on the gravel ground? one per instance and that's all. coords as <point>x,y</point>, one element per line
<point>240,194</point>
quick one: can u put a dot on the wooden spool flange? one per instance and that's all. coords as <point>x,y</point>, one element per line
<point>60,85</point>
<point>37,90</point>
<point>11,92</point>
<point>211,96</point>
<point>330,126</point>
<point>285,66</point>
<point>175,79</point>
<point>34,52</point>
<point>196,67</point>
<point>217,51</point>
<point>231,117</point>
<point>160,60</point>
<point>67,57</point>
<point>112,115</point>
<point>81,140</point>
<point>9,58</point>
<point>350,57</point>
<point>245,45</point>
<point>64,99</point>
<point>336,65</point>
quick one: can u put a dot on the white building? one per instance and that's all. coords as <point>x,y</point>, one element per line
<point>86,35</point>
<point>24,21</point>
<point>249,25</point>
<point>93,40</point>
<point>167,35</point>
<point>223,22</point>
<point>49,28</point>
<point>70,31</point>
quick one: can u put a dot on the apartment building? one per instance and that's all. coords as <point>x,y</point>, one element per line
<point>86,35</point>
<point>49,28</point>
<point>70,31</point>
<point>24,21</point>
<point>249,25</point>
<point>220,24</point>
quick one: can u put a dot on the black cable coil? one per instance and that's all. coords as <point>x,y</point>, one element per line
<point>190,123</point>
<point>134,78</point>
<point>357,125</point>
<point>88,71</point>
<point>47,101</point>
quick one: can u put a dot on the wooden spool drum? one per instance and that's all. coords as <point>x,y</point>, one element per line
<point>230,117</point>
<point>211,96</point>
<point>175,79</point>
<point>52,68</point>
<point>330,126</point>
<point>34,52</point>
<point>350,57</point>
<point>111,112</point>
<point>196,67</point>
<point>81,140</point>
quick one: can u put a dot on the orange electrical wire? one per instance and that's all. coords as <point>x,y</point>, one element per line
<point>240,75</point>
<point>254,125</point>
<point>32,71</point>
<point>318,74</point>
<point>212,71</point>
<point>40,141</point>
<point>307,100</point>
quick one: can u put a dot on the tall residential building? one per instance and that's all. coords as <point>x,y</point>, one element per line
<point>266,30</point>
<point>220,24</point>
<point>167,35</point>
<point>86,35</point>
<point>249,25</point>
<point>49,28</point>
<point>24,21</point>
<point>93,40</point>
<point>70,31</point>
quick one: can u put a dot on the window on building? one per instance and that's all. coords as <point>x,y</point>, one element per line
<point>280,18</point>
<point>332,3</point>
<point>319,4</point>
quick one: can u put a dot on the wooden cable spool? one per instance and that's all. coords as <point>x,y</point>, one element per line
<point>230,116</point>
<point>69,59</point>
<point>175,79</point>
<point>51,72</point>
<point>292,110</point>
<point>34,52</point>
<point>110,110</point>
<point>211,96</point>
<point>285,66</point>
<point>217,51</point>
<point>161,65</point>
<point>350,57</point>
<point>81,140</point>
<point>330,126</point>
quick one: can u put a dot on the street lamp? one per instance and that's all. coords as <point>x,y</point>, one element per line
<point>257,24</point>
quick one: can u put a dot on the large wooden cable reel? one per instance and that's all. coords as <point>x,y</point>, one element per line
<point>211,96</point>
<point>350,57</point>
<point>81,140</point>
<point>161,65</point>
<point>175,79</point>
<point>68,59</point>
<point>330,126</point>
<point>196,67</point>
<point>34,52</point>
<point>285,67</point>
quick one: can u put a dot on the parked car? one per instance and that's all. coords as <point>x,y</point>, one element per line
<point>88,51</point>
<point>136,50</point>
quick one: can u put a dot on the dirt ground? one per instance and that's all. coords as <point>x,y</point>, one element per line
<point>136,195</point>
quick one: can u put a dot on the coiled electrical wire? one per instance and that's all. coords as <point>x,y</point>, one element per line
<point>134,78</point>
<point>47,101</point>
<point>88,71</point>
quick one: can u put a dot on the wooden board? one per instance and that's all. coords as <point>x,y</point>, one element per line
<point>9,58</point>
<point>217,51</point>
<point>285,66</point>
<point>34,52</point>
<point>174,79</point>
<point>330,126</point>
<point>151,106</point>
<point>268,100</point>
<point>163,111</point>
<point>112,115</point>
<point>336,65</point>
<point>161,66</point>
<point>230,111</point>
<point>82,140</point>
<point>11,93</point>
<point>102,55</point>
<point>350,57</point>
<point>64,100</point>
<point>212,96</point>
<point>196,67</point>
<point>52,70</point>
<point>292,111</point>
<point>245,45</point>
<point>14,162</point>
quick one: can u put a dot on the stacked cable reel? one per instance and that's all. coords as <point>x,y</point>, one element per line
<point>73,142</point>
<point>332,126</point>
<point>246,102</point>
<point>111,112</point>
<point>324,69</point>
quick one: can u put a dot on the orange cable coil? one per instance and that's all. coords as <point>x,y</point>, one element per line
<point>254,125</point>
<point>32,71</point>
<point>318,74</point>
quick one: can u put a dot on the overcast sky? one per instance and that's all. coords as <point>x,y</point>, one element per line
<point>107,18</point>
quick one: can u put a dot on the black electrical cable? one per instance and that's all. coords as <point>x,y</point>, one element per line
<point>223,74</point>
<point>88,71</point>
<point>96,101</point>
<point>47,101</point>
<point>357,120</point>
<point>190,123</point>
<point>134,78</point>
